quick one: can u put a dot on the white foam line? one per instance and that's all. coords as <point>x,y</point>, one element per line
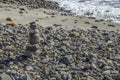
<point>92,7</point>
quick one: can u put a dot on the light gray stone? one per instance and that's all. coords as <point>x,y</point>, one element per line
<point>66,76</point>
<point>26,77</point>
<point>29,68</point>
<point>4,76</point>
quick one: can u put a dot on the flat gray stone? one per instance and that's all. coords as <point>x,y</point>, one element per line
<point>29,68</point>
<point>107,72</point>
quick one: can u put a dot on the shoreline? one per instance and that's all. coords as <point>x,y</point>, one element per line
<point>49,16</point>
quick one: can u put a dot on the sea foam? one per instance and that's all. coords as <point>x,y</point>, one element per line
<point>100,9</point>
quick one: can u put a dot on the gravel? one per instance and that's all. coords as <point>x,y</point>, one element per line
<point>64,54</point>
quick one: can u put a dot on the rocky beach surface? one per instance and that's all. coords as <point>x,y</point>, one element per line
<point>70,47</point>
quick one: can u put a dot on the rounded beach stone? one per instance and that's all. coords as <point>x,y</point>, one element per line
<point>4,76</point>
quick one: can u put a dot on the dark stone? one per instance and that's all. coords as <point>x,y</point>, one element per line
<point>1,66</point>
<point>87,22</point>
<point>94,27</point>
<point>97,20</point>
<point>111,25</point>
<point>64,60</point>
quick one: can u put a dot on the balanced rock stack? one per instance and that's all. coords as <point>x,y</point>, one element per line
<point>34,39</point>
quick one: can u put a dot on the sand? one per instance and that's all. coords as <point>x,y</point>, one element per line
<point>44,18</point>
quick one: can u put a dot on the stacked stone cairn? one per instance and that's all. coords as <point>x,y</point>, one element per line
<point>34,39</point>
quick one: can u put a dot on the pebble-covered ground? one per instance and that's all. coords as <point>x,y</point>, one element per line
<point>34,3</point>
<point>64,54</point>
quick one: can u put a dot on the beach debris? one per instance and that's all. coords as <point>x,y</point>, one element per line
<point>12,24</point>
<point>9,19</point>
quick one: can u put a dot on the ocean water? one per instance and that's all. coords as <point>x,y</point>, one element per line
<point>100,9</point>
